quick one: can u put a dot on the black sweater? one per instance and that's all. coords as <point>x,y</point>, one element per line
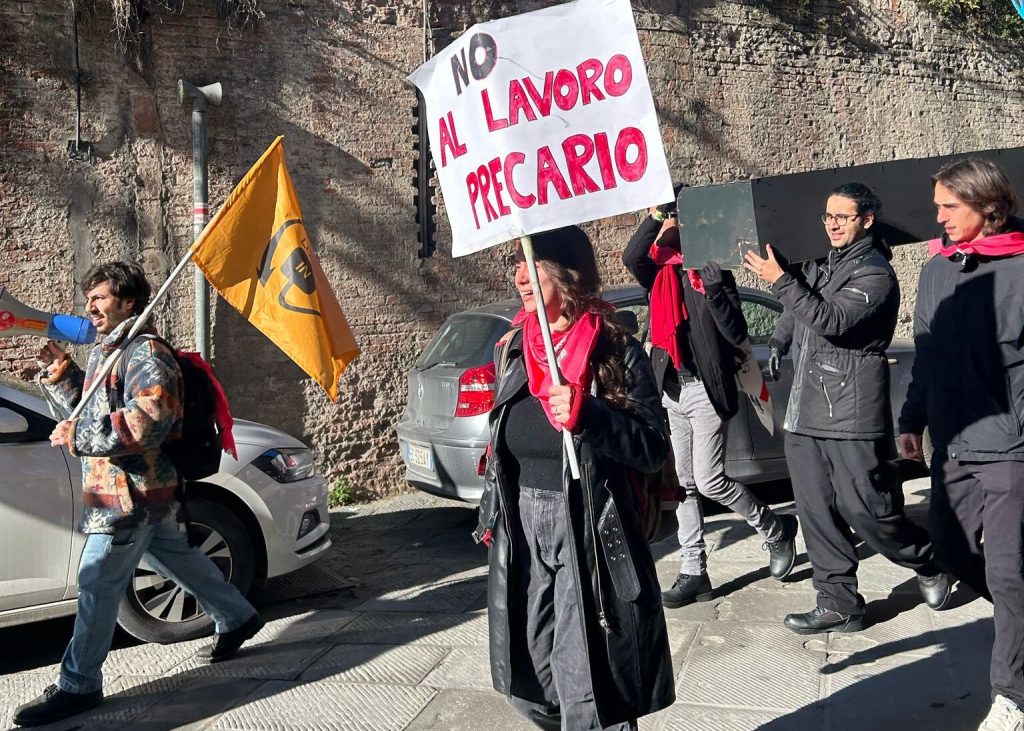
<point>715,328</point>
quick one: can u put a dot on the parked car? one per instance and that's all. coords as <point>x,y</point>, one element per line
<point>261,516</point>
<point>442,433</point>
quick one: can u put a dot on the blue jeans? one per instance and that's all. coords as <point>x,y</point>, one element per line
<point>108,562</point>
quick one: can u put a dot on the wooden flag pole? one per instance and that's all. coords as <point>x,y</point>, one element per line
<point>549,348</point>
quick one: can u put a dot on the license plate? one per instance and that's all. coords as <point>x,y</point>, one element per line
<point>421,457</point>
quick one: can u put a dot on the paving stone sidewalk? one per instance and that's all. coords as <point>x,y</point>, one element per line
<point>390,632</point>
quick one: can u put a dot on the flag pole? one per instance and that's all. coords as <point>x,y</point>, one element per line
<point>549,348</point>
<point>108,365</point>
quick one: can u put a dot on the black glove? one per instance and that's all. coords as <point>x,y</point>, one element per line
<point>711,276</point>
<point>667,208</point>
<point>774,367</point>
<point>670,208</point>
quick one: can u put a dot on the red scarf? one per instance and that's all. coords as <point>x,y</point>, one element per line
<point>667,309</point>
<point>573,348</point>
<point>1008,244</point>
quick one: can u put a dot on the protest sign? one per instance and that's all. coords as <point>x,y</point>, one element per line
<point>541,120</point>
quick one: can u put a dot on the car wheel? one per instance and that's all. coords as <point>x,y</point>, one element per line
<point>157,609</point>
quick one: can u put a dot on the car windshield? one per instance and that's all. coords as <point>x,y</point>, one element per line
<point>464,341</point>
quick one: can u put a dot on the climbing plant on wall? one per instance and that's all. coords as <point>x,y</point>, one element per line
<point>984,19</point>
<point>130,17</point>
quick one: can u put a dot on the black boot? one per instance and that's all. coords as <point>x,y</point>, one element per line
<point>824,620</point>
<point>55,705</point>
<point>783,551</point>
<point>687,589</point>
<point>225,645</point>
<point>935,590</point>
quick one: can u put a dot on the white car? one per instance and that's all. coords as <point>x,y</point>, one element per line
<point>258,517</point>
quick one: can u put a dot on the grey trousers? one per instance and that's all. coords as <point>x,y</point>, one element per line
<point>698,441</point>
<point>555,649</point>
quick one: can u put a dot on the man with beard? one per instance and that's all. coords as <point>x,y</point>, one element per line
<point>840,315</point>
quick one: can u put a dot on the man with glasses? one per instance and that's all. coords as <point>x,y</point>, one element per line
<point>840,315</point>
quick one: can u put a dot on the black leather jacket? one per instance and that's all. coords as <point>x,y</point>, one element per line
<point>840,315</point>
<point>631,668</point>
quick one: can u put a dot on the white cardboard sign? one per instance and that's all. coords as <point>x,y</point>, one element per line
<point>542,120</point>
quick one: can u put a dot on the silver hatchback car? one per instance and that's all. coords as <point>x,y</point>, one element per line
<point>258,517</point>
<point>443,433</point>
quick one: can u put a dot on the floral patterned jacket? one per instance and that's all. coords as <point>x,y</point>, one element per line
<point>127,480</point>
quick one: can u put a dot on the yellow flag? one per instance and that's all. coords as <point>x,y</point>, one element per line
<point>255,252</point>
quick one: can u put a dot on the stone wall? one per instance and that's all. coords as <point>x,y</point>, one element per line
<point>742,88</point>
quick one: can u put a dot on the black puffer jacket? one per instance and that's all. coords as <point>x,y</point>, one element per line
<point>715,326</point>
<point>840,315</point>
<point>967,384</point>
<point>630,664</point>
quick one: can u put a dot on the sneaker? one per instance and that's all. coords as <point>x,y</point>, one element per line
<point>225,645</point>
<point>687,589</point>
<point>55,705</point>
<point>935,590</point>
<point>823,620</point>
<point>783,551</point>
<point>1004,716</point>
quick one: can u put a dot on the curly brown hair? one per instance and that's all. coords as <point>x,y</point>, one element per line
<point>567,257</point>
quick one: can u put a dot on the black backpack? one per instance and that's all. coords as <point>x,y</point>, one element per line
<point>196,454</point>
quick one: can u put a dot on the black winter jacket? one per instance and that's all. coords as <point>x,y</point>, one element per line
<point>630,663</point>
<point>967,384</point>
<point>715,326</point>
<point>840,315</point>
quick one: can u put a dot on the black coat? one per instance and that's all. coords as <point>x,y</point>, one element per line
<point>715,327</point>
<point>967,384</point>
<point>840,315</point>
<point>630,664</point>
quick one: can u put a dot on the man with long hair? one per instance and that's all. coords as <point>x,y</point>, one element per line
<point>968,390</point>
<point>840,315</point>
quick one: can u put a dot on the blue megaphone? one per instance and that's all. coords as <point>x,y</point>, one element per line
<point>19,319</point>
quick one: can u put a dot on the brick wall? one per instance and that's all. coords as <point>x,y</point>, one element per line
<point>742,88</point>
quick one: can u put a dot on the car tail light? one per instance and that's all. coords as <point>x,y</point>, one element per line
<point>476,391</point>
<point>481,466</point>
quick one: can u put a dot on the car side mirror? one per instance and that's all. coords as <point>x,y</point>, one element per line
<point>11,422</point>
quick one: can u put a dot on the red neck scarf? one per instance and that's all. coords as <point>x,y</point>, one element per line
<point>667,309</point>
<point>1008,244</point>
<point>573,348</point>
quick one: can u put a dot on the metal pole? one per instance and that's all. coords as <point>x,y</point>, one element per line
<point>549,348</point>
<point>200,217</point>
<point>201,95</point>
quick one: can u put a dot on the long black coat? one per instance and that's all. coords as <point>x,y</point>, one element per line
<point>630,663</point>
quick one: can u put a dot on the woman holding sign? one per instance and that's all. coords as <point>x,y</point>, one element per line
<point>577,633</point>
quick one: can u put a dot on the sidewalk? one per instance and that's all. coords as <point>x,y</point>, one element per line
<point>390,632</point>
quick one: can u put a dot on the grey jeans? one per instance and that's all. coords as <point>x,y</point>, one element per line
<point>698,441</point>
<point>555,650</point>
